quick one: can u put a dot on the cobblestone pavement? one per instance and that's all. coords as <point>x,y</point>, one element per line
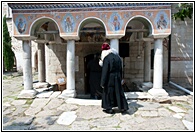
<point>48,112</point>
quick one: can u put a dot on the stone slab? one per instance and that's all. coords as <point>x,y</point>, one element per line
<point>55,94</point>
<point>189,125</point>
<point>67,118</point>
<point>83,101</point>
<point>176,109</point>
<point>18,102</point>
<point>45,94</point>
<point>39,102</point>
<point>137,95</point>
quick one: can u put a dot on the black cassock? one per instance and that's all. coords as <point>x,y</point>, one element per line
<point>113,94</point>
<point>95,78</point>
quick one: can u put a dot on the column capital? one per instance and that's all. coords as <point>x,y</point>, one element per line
<point>114,36</point>
<point>161,36</point>
<point>23,38</point>
<point>70,37</point>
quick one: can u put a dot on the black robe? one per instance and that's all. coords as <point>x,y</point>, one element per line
<point>113,94</point>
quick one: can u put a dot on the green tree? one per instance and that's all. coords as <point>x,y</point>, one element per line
<point>8,54</point>
<point>185,10</point>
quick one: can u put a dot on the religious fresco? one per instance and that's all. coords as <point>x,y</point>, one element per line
<point>127,15</point>
<point>92,36</point>
<point>68,23</point>
<point>115,22</point>
<point>161,21</point>
<point>31,17</point>
<point>55,15</point>
<point>79,17</point>
<point>148,14</point>
<point>103,16</point>
<point>21,24</point>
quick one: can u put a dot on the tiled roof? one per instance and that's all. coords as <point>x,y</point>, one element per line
<point>79,5</point>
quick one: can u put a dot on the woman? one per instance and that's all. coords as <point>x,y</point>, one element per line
<point>113,94</point>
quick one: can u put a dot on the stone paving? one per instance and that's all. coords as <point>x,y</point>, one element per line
<point>47,112</point>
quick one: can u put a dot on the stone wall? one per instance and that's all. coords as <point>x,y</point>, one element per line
<point>182,51</point>
<point>55,59</point>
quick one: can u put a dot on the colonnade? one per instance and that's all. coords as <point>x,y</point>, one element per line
<point>70,91</point>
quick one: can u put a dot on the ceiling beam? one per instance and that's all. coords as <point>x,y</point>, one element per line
<point>48,32</point>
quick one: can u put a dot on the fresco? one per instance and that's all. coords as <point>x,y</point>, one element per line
<point>92,36</point>
<point>31,17</point>
<point>148,14</point>
<point>21,24</point>
<point>127,15</point>
<point>79,17</point>
<point>55,15</point>
<point>161,21</point>
<point>68,23</point>
<point>103,16</point>
<point>115,22</point>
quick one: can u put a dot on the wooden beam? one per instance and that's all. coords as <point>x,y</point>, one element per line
<point>137,30</point>
<point>143,40</point>
<point>94,31</point>
<point>48,32</point>
<point>128,30</point>
<point>41,41</point>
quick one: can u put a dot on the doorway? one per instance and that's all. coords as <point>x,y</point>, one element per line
<point>92,74</point>
<point>86,73</point>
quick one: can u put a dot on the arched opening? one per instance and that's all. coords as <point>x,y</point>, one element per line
<point>44,24</point>
<point>49,52</point>
<point>92,35</point>
<point>133,43</point>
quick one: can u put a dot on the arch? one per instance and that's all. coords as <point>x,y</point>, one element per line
<point>144,20</point>
<point>40,21</point>
<point>91,20</point>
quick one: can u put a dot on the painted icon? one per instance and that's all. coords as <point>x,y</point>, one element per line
<point>68,24</point>
<point>161,23</point>
<point>116,23</point>
<point>21,26</point>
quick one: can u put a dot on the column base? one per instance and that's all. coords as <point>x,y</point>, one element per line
<point>27,94</point>
<point>67,94</point>
<point>147,84</point>
<point>158,92</point>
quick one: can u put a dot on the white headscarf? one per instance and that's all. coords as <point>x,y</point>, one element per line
<point>104,53</point>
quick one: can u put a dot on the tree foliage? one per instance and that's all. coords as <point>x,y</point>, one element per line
<point>8,54</point>
<point>185,10</point>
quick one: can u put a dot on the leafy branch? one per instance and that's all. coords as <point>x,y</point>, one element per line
<point>185,10</point>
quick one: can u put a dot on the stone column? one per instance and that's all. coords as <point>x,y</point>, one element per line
<point>41,62</point>
<point>157,89</point>
<point>114,43</point>
<point>28,91</point>
<point>46,61</point>
<point>147,62</point>
<point>70,87</point>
